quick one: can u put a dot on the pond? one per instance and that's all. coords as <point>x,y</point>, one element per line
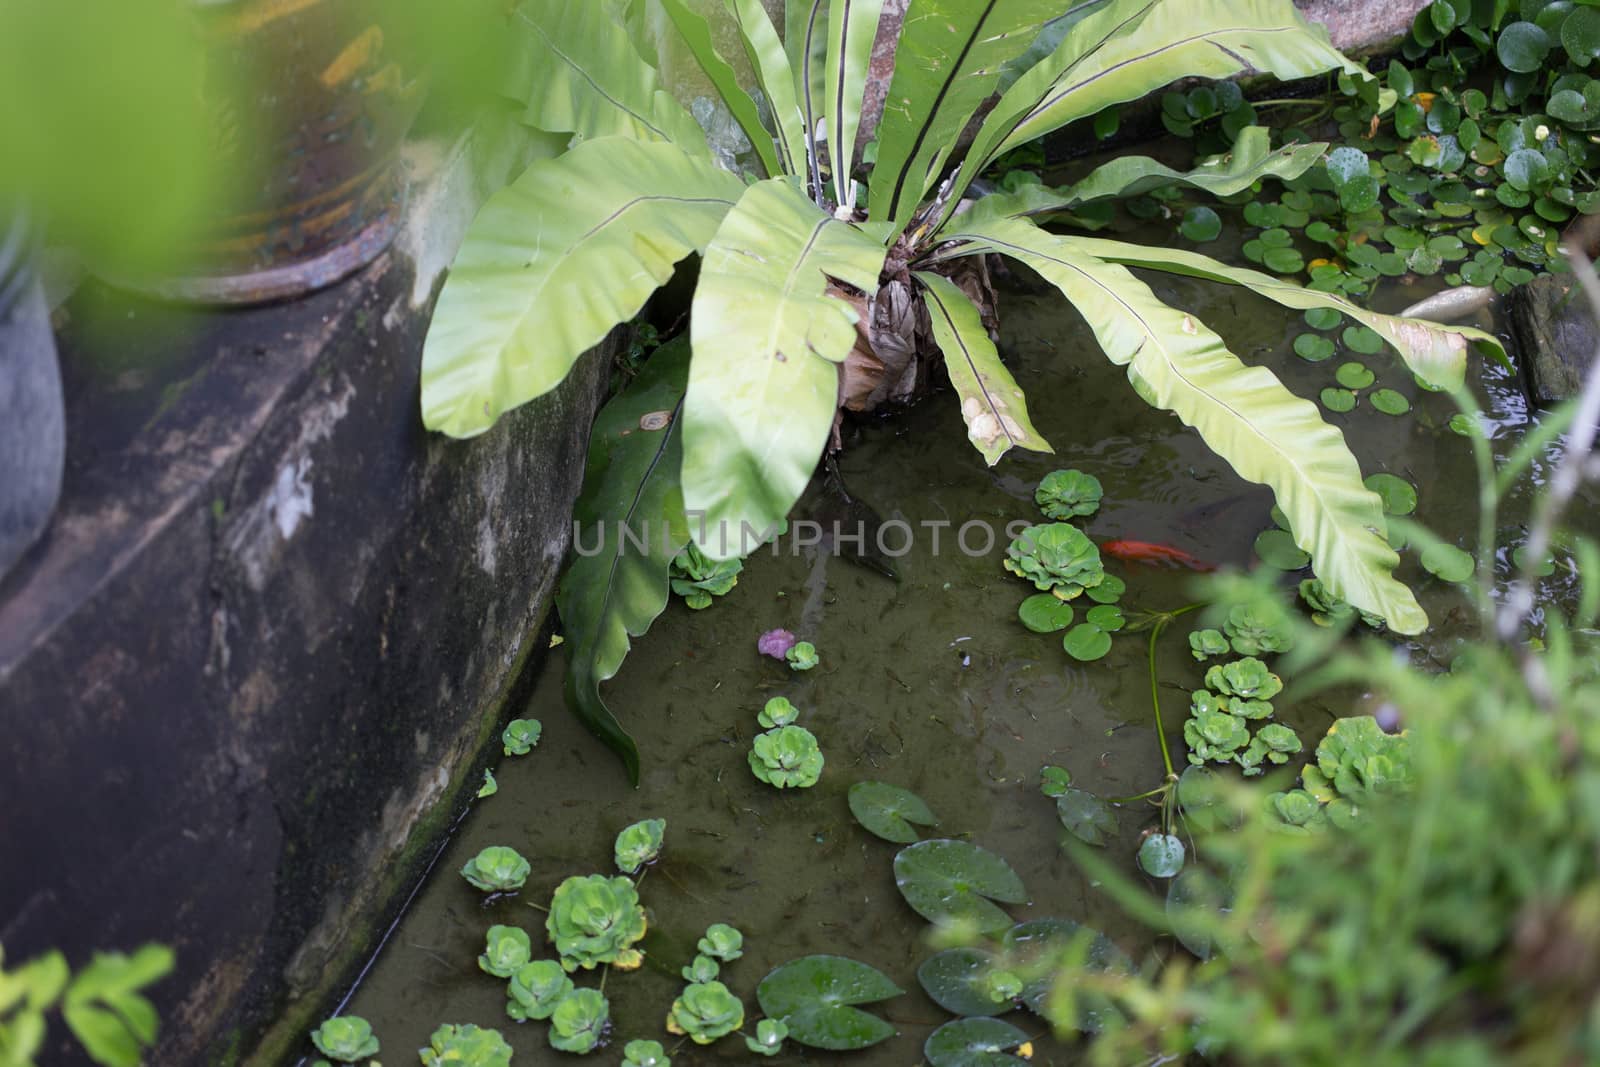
<point>927,682</point>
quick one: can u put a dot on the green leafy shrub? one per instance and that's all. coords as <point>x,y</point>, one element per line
<point>1067,494</point>
<point>704,1012</point>
<point>521,736</point>
<point>345,1039</point>
<point>103,1005</point>
<point>536,989</point>
<point>639,844</point>
<point>579,1021</point>
<point>466,1045</point>
<point>508,949</point>
<point>698,579</point>
<point>497,869</point>
<point>593,920</point>
<point>1056,557</point>
<point>786,757</point>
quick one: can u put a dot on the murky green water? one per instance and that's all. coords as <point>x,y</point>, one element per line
<point>929,683</point>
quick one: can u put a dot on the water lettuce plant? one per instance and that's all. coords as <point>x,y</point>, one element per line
<point>579,1021</point>
<point>1203,644</point>
<point>1247,679</point>
<point>705,1011</point>
<point>535,990</point>
<point>1273,743</point>
<point>1214,735</point>
<point>777,712</point>
<point>794,258</point>
<point>802,656</point>
<point>698,579</point>
<point>465,1045</point>
<point>345,1039</point>
<point>722,942</point>
<point>594,920</point>
<point>1057,558</point>
<point>520,736</point>
<point>1355,760</point>
<point>768,1038</point>
<point>639,844</point>
<point>645,1054</point>
<point>497,869</point>
<point>507,950</point>
<point>1067,494</point>
<point>701,969</point>
<point>1259,627</point>
<point>786,757</point>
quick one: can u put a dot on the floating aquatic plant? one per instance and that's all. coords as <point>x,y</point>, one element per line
<point>345,1039</point>
<point>802,656</point>
<point>1247,679</point>
<point>508,949</point>
<point>701,969</point>
<point>579,1021</point>
<point>1068,494</point>
<point>698,579</point>
<point>520,736</point>
<point>535,990</point>
<point>594,919</point>
<point>497,869</point>
<point>639,844</point>
<point>1057,558</point>
<point>889,812</point>
<point>645,1054</point>
<point>1204,644</point>
<point>704,1012</point>
<point>776,643</point>
<point>768,1038</point>
<point>777,712</point>
<point>786,757</point>
<point>466,1045</point>
<point>722,942</point>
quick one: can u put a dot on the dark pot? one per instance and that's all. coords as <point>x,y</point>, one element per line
<point>315,138</point>
<point>33,432</point>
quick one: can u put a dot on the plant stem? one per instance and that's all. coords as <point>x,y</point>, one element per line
<point>1155,682</point>
<point>1162,788</point>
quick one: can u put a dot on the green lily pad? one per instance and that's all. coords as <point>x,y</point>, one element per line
<point>1337,400</point>
<point>889,811</point>
<point>1276,548</point>
<point>947,881</point>
<point>1313,347</point>
<point>1283,260</point>
<point>1086,816</point>
<point>1545,568</point>
<point>1322,318</point>
<point>1033,947</point>
<point>1107,617</point>
<point>1354,375</point>
<point>1398,497</point>
<point>974,1043</point>
<point>1086,642</point>
<point>1362,339</point>
<point>1045,613</point>
<point>1109,591</point>
<point>955,979</point>
<point>814,996</point>
<point>1200,224</point>
<point>1448,562</point>
<point>1161,855</point>
<point>1522,47</point>
<point>1526,168</point>
<point>1389,402</point>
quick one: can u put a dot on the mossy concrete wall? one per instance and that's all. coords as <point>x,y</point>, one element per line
<point>247,676</point>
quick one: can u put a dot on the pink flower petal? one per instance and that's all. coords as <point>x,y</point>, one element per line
<point>776,643</point>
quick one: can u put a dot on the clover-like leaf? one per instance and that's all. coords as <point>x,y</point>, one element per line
<point>889,811</point>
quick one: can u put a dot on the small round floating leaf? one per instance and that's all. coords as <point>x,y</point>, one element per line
<point>814,996</point>
<point>1045,613</point>
<point>1107,617</point>
<point>1313,347</point>
<point>947,881</point>
<point>974,1043</point>
<point>1086,816</point>
<point>1526,168</point>
<point>1200,224</point>
<point>1086,642</point>
<point>1398,497</point>
<point>1109,591</point>
<point>1322,318</point>
<point>1354,375</point>
<point>1053,780</point>
<point>1522,47</point>
<point>1545,568</point>
<point>1276,548</point>
<point>1283,260</point>
<point>1389,402</point>
<point>1465,425</point>
<point>1161,855</point>
<point>956,980</point>
<point>1448,563</point>
<point>1362,339</point>
<point>1338,401</point>
<point>889,811</point>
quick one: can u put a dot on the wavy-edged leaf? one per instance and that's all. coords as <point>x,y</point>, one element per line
<point>629,526</point>
<point>767,343</point>
<point>1436,354</point>
<point>992,404</point>
<point>815,996</point>
<point>775,75</point>
<point>577,71</point>
<point>1251,159</point>
<point>949,60</point>
<point>1266,433</point>
<point>805,42</point>
<point>1126,50</point>
<point>852,27</point>
<point>696,34</point>
<point>553,261</point>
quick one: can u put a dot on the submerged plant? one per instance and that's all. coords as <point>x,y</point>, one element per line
<point>787,756</point>
<point>497,869</point>
<point>466,1045</point>
<point>1056,557</point>
<point>345,1039</point>
<point>697,579</point>
<point>1068,494</point>
<point>645,1054</point>
<point>507,951</point>
<point>793,258</point>
<point>802,656</point>
<point>704,1012</point>
<point>579,1021</point>
<point>639,844</point>
<point>535,990</point>
<point>520,736</point>
<point>722,942</point>
<point>593,920</point>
